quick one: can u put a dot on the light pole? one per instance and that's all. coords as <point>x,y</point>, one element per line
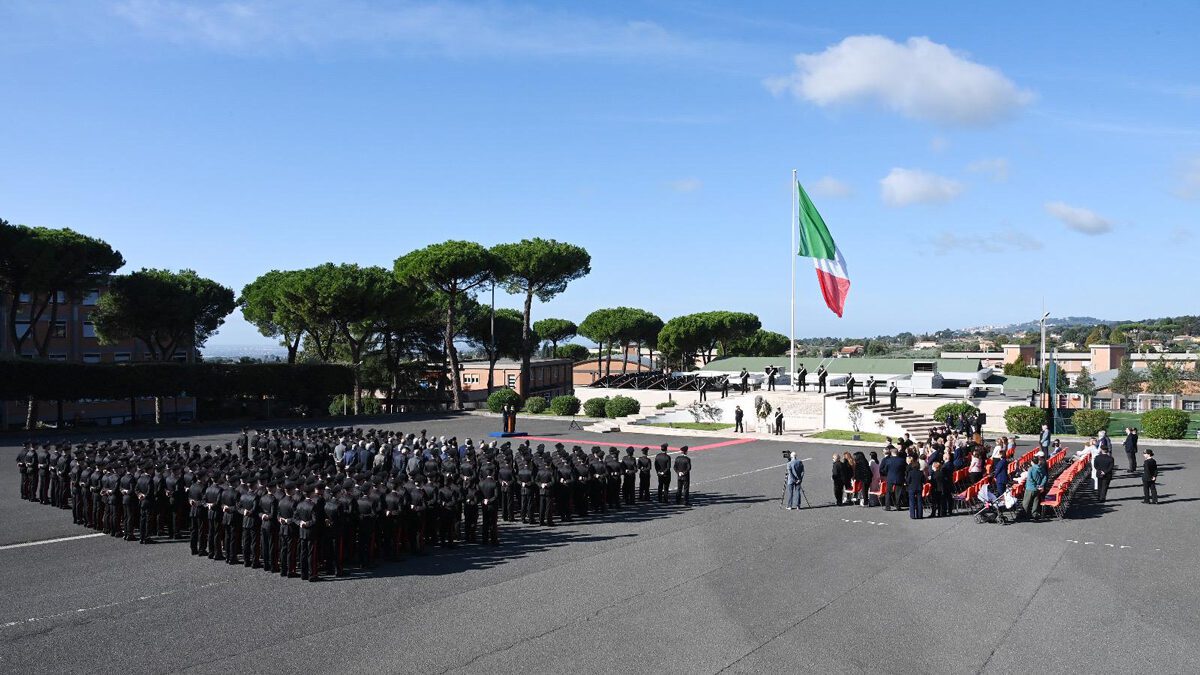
<point>1042,362</point>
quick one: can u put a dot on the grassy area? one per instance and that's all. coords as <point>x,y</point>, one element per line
<point>694,426</point>
<point>1121,419</point>
<point>841,435</point>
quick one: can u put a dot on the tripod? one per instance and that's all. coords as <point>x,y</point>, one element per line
<point>574,425</point>
<point>783,497</point>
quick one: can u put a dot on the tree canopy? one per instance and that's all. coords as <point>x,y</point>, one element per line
<point>760,343</point>
<point>555,331</point>
<point>703,333</point>
<point>167,311</point>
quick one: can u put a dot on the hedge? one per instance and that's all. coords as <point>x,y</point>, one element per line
<point>366,406</point>
<point>565,405</point>
<point>502,397</point>
<point>1090,422</point>
<point>51,381</point>
<point>1023,419</point>
<point>620,406</point>
<point>594,407</point>
<point>957,408</point>
<point>665,404</point>
<point>535,405</point>
<point>1165,423</point>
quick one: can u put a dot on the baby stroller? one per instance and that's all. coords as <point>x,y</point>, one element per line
<point>996,509</point>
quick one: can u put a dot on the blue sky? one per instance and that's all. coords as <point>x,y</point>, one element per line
<point>968,161</point>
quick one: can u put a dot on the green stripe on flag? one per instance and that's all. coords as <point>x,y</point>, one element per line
<point>815,240</point>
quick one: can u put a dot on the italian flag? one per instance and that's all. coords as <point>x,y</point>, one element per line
<point>816,243</point>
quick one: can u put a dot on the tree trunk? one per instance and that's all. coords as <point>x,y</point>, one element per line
<point>30,413</point>
<point>452,354</point>
<point>491,373</point>
<point>293,348</point>
<point>526,346</point>
<point>607,358</point>
<point>624,357</point>
<point>157,410</point>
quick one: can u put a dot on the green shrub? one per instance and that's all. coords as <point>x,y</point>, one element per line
<point>535,405</point>
<point>501,398</point>
<point>957,408</point>
<point>1165,423</point>
<point>565,405</point>
<point>1023,419</point>
<point>366,406</point>
<point>1090,422</point>
<point>665,404</point>
<point>594,407</point>
<point>620,406</point>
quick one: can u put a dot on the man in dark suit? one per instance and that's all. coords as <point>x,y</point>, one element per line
<point>1103,464</point>
<point>1131,441</point>
<point>683,473</point>
<point>892,470</point>
<point>1149,478</point>
<point>821,375</point>
<point>893,391</point>
<point>850,386</point>
<point>771,370</point>
<point>802,378</point>
<point>871,384</point>
<point>745,378</point>
<point>737,419</point>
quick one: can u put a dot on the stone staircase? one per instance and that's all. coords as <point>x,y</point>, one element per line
<point>914,424</point>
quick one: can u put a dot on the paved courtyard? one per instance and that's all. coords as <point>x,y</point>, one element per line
<point>733,583</point>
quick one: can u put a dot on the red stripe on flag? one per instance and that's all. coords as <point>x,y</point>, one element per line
<point>835,290</point>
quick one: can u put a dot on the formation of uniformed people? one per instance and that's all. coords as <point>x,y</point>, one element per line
<point>311,502</point>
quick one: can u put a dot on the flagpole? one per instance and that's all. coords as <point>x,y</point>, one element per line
<point>792,254</point>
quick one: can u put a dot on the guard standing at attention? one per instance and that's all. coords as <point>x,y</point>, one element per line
<point>662,466</point>
<point>643,467</point>
<point>683,473</point>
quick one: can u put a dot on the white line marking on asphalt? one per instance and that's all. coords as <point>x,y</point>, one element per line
<point>50,541</point>
<point>143,598</point>
<point>1093,543</point>
<point>744,473</point>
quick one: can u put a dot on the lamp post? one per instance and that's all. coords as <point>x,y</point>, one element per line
<point>1042,367</point>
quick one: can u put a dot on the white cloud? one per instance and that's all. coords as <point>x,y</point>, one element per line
<point>902,187</point>
<point>1189,183</point>
<point>1079,219</point>
<point>444,28</point>
<point>994,242</point>
<point>686,184</point>
<point>995,168</point>
<point>919,79</point>
<point>828,186</point>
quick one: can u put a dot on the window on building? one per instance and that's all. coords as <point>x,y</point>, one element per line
<point>179,357</point>
<point>22,328</point>
<point>122,357</point>
<point>1156,403</point>
<point>91,298</point>
<point>58,357</point>
<point>89,329</point>
<point>1102,404</point>
<point>60,329</point>
<point>511,380</point>
<point>1129,404</point>
<point>91,357</point>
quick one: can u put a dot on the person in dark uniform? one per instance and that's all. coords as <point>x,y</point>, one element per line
<point>505,478</point>
<point>629,474</point>
<point>737,419</point>
<point>822,374</point>
<point>850,382</point>
<point>778,421</point>
<point>871,384</point>
<point>231,520</point>
<point>915,480</point>
<point>23,468</point>
<point>702,387</point>
<point>128,485</point>
<point>42,466</point>
<point>305,517</point>
<point>802,378</point>
<point>643,466</point>
<point>545,483</point>
<point>615,474</point>
<point>1103,464</point>
<point>414,526</point>
<point>525,477</point>
<point>662,466</point>
<point>725,387</point>
<point>1131,448</point>
<point>490,495</point>
<point>366,511</point>
<point>212,502</point>
<point>144,485</point>
<point>599,481</point>
<point>771,372</point>
<point>247,507</point>
<point>893,392</point>
<point>744,376</point>
<point>285,510</point>
<point>683,476</point>
<point>839,474</point>
<point>268,528</point>
<point>1149,478</point>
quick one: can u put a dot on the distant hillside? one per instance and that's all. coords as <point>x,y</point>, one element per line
<point>1051,322</point>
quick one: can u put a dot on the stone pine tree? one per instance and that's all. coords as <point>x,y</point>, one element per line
<point>453,268</point>
<point>169,312</point>
<point>539,268</point>
<point>555,331</point>
<point>264,305</point>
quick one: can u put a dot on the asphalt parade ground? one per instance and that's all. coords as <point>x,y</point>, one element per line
<point>733,583</point>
